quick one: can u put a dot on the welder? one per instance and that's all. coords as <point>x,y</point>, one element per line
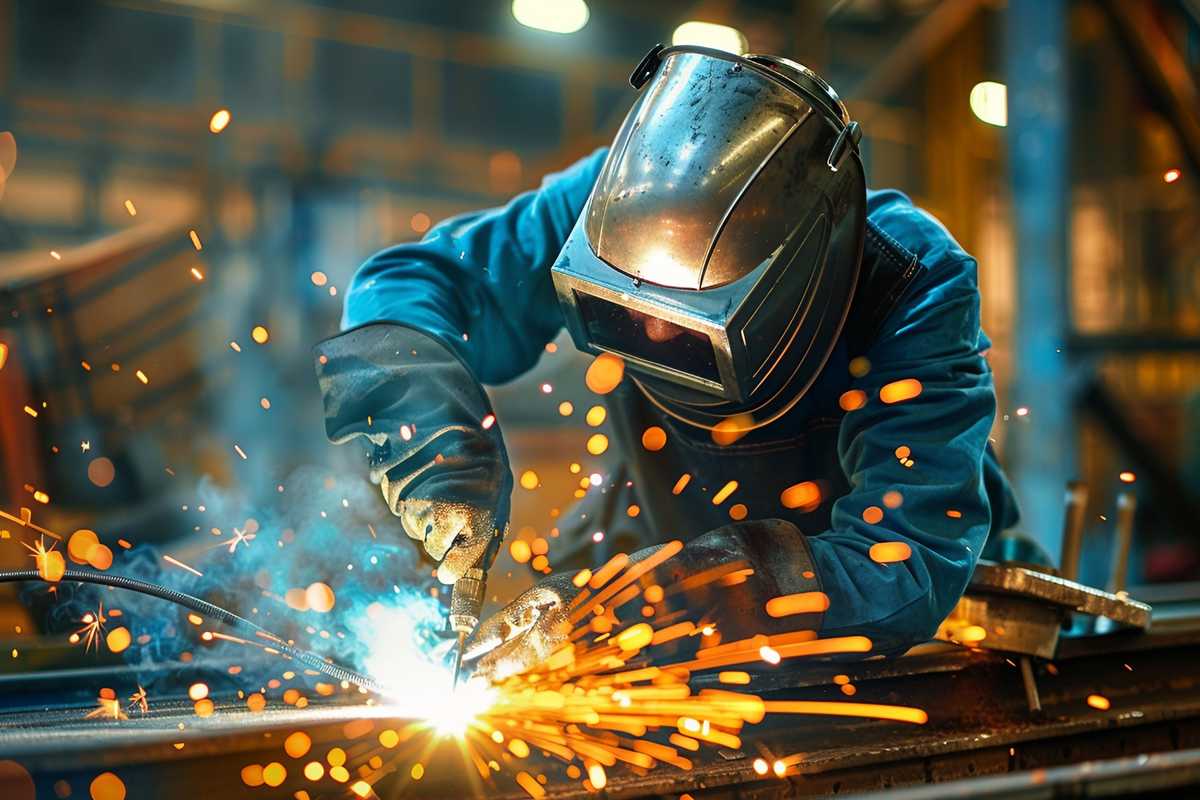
<point>782,326</point>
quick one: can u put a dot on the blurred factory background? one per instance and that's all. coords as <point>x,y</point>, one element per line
<point>188,185</point>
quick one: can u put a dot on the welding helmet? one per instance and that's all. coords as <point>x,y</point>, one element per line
<point>720,247</point>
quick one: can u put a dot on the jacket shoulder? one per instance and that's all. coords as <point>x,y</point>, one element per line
<point>913,228</point>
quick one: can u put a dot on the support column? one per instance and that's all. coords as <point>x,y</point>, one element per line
<point>1040,448</point>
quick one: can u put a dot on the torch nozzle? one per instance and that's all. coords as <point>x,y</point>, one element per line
<point>466,604</point>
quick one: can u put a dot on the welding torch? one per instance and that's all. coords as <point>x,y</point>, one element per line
<point>466,599</point>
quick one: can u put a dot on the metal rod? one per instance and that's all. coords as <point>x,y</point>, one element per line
<point>1126,508</point>
<point>458,655</point>
<point>1031,689</point>
<point>1075,503</point>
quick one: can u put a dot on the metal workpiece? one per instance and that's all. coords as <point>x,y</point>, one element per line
<point>1059,592</point>
<point>1023,610</point>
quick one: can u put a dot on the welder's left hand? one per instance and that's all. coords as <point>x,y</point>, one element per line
<point>524,633</point>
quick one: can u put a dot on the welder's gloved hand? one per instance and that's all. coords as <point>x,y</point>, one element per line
<point>524,633</point>
<point>433,447</point>
<point>723,578</point>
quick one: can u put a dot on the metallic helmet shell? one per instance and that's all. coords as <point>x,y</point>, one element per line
<point>719,249</point>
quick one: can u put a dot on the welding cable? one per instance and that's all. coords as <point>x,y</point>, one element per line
<point>204,608</point>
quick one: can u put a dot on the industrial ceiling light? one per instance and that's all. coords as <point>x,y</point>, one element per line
<point>709,34</point>
<point>989,102</point>
<point>556,16</point>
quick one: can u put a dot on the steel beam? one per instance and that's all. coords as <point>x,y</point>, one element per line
<point>1040,453</point>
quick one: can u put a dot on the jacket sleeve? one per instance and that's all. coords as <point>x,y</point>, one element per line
<point>936,505</point>
<point>480,282</point>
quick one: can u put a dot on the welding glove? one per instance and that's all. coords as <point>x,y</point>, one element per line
<point>723,578</point>
<point>432,442</point>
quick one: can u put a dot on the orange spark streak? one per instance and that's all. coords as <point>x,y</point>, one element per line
<point>182,565</point>
<point>842,709</point>
<point>803,603</point>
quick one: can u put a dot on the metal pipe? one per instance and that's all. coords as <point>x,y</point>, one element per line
<point>1075,502</point>
<point>1126,508</point>
<point>1032,698</point>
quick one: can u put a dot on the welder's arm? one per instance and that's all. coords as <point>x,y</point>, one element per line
<point>943,512</point>
<point>432,445</point>
<point>481,281</point>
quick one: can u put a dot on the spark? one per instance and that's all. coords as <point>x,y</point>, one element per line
<point>890,552</point>
<point>723,494</point>
<point>654,438</point>
<point>730,429</point>
<point>805,495</point>
<point>239,537</point>
<point>899,391</point>
<point>803,603</point>
<point>141,376</point>
<point>107,708</point>
<point>50,563</point>
<point>176,562</point>
<point>1172,175</point>
<point>219,120</point>
<point>139,701</point>
<point>853,400</point>
<point>129,206</point>
<point>197,274</point>
<point>93,627</point>
<point>238,448</point>
<point>605,373</point>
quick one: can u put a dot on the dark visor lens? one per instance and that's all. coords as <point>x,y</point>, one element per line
<point>648,338</point>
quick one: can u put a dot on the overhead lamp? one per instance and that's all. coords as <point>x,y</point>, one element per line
<point>989,102</point>
<point>710,34</point>
<point>556,16</point>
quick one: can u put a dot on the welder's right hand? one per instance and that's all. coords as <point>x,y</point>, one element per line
<point>433,445</point>
<point>453,534</point>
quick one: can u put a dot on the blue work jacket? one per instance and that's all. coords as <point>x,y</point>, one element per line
<point>919,472</point>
